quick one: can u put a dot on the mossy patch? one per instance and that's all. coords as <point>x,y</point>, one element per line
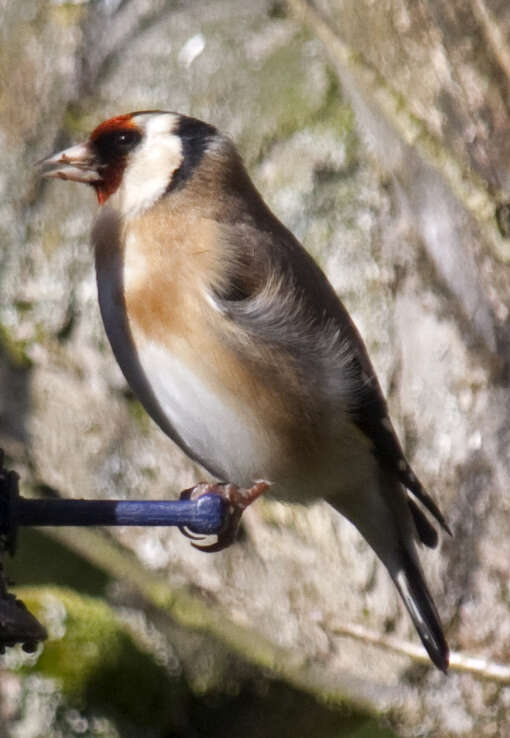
<point>15,351</point>
<point>102,670</point>
<point>96,660</point>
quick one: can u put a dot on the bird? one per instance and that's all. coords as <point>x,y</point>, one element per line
<point>236,344</point>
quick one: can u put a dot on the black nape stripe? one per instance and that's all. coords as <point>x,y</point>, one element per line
<point>195,136</point>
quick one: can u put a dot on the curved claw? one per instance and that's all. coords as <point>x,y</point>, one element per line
<point>227,536</point>
<point>211,547</point>
<point>186,494</point>
<point>238,500</point>
<point>186,532</point>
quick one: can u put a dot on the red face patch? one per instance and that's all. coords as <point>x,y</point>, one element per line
<point>121,122</point>
<point>112,140</point>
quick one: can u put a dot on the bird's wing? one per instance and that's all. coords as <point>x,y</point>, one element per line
<point>274,263</point>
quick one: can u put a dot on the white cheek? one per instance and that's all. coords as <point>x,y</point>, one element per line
<point>148,173</point>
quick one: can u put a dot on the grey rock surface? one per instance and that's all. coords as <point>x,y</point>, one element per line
<point>428,292</point>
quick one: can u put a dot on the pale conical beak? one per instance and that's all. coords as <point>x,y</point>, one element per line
<point>78,163</point>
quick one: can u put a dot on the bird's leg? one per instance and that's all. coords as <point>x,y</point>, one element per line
<point>237,499</point>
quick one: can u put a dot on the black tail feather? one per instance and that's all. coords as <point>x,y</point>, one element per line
<point>415,487</point>
<point>414,592</point>
<point>426,531</point>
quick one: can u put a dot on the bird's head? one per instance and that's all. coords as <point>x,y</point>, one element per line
<point>141,156</point>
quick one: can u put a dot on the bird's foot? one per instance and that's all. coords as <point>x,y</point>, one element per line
<point>237,499</point>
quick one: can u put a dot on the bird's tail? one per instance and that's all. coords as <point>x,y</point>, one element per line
<point>413,589</point>
<point>384,518</point>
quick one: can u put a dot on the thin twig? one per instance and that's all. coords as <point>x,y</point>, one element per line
<point>458,661</point>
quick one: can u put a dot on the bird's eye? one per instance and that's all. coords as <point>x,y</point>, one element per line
<point>124,141</point>
<point>113,145</point>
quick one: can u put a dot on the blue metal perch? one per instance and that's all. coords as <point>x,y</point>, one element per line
<point>208,514</point>
<point>205,515</point>
<point>201,511</point>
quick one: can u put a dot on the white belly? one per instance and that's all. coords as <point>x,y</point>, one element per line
<point>225,437</point>
<point>208,423</point>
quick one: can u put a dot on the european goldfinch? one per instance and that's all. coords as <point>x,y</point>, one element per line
<point>236,344</point>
